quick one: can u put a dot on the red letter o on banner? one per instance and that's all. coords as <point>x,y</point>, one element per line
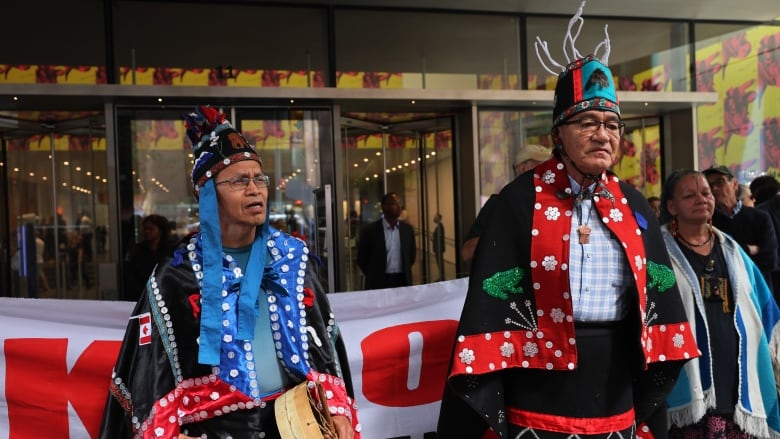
<point>407,365</point>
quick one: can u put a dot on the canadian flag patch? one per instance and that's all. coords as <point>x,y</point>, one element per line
<point>144,329</point>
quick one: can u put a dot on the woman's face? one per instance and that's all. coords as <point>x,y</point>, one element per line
<point>692,201</point>
<point>150,231</point>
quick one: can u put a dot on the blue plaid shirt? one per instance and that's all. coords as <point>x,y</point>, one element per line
<point>598,273</point>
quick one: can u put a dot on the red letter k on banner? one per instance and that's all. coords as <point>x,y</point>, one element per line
<point>39,386</point>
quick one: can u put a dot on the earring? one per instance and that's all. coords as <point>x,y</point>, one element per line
<point>673,226</point>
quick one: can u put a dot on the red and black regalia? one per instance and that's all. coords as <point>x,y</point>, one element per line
<point>521,365</point>
<point>159,388</point>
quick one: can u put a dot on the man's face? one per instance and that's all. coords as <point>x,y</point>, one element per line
<point>242,207</point>
<point>391,208</point>
<point>724,188</point>
<point>591,153</point>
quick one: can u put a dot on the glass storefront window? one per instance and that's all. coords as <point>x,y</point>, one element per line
<point>40,40</point>
<point>414,159</point>
<point>741,130</point>
<point>388,49</point>
<point>220,45</point>
<point>58,205</point>
<point>647,56</point>
<point>156,162</point>
<point>638,160</point>
<point>502,133</point>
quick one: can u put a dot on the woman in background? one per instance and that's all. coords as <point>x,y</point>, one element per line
<point>730,390</point>
<point>145,255</point>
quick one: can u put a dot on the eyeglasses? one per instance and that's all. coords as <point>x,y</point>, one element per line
<point>589,126</point>
<point>261,181</point>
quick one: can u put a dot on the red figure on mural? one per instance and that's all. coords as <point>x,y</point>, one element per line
<point>708,143</point>
<point>705,73</point>
<point>770,142</point>
<point>736,117</point>
<point>736,47</point>
<point>768,61</point>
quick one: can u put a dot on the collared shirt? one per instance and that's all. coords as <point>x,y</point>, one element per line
<point>735,210</point>
<point>393,247</point>
<point>598,273</point>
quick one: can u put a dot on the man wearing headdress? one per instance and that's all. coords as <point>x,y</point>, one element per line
<point>572,323</point>
<point>230,322</point>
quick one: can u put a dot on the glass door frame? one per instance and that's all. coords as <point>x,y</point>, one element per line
<point>295,145</point>
<point>56,187</point>
<point>421,203</point>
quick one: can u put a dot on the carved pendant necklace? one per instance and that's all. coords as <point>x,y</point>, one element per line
<point>583,230</point>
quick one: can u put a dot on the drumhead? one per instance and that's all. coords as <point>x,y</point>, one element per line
<point>298,417</point>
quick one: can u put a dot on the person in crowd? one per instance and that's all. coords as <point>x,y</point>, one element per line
<point>85,228</point>
<point>655,204</point>
<point>40,249</point>
<point>386,248</point>
<point>745,196</point>
<point>730,391</point>
<point>751,228</point>
<point>437,242</point>
<point>232,321</point>
<point>764,188</point>
<point>77,264</point>
<point>766,191</point>
<point>527,158</point>
<point>155,247</point>
<point>572,324</point>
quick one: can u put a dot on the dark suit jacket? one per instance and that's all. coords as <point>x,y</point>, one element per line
<point>751,226</point>
<point>772,207</point>
<point>372,255</point>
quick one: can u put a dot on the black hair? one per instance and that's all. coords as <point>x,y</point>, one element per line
<point>668,188</point>
<point>161,222</point>
<point>387,196</point>
<point>764,187</point>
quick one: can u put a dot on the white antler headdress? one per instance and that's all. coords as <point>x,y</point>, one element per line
<point>569,50</point>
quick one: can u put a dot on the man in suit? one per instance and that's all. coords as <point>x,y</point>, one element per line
<point>750,227</point>
<point>438,245</point>
<point>386,248</point>
<point>766,191</point>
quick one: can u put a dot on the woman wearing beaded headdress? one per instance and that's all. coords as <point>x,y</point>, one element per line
<point>730,390</point>
<point>232,321</point>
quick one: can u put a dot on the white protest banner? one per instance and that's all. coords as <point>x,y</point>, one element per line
<point>56,358</point>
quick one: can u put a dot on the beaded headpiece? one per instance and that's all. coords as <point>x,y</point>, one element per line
<point>585,82</point>
<point>215,144</point>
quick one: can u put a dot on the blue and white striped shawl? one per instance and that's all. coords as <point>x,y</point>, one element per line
<point>756,318</point>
